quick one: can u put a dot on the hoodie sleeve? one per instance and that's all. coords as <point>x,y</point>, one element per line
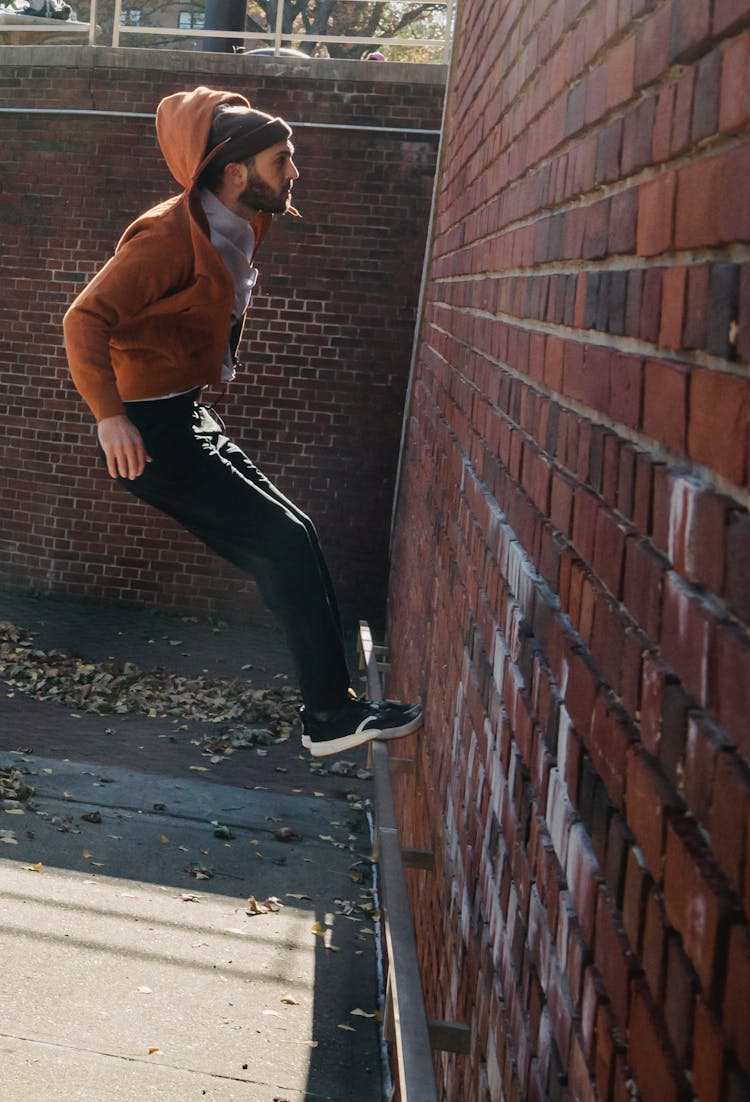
<point>141,272</point>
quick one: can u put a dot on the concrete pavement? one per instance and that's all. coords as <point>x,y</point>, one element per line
<point>175,924</point>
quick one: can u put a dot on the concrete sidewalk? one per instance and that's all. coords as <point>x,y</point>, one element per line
<point>176,925</point>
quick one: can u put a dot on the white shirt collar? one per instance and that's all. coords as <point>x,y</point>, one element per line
<point>225,223</point>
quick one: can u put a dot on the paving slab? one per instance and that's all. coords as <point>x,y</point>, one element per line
<point>134,968</point>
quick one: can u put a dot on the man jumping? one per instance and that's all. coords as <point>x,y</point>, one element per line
<point>162,320</point>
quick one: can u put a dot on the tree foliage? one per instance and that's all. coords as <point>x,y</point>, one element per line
<point>365,21</point>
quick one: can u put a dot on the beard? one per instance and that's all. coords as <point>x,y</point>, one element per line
<point>260,196</point>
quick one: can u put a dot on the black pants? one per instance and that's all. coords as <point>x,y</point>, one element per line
<point>203,480</point>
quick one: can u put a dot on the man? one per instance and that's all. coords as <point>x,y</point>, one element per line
<point>163,319</point>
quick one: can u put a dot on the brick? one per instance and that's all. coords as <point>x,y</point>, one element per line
<point>652,46</point>
<point>705,121</point>
<point>719,420</point>
<point>734,103</point>
<point>649,800</point>
<point>596,93</point>
<point>737,565</point>
<point>619,842</point>
<point>600,304</point>
<point>682,119</point>
<point>626,381</point>
<point>698,208</point>
<point>743,330</point>
<point>586,375</point>
<point>665,403</point>
<point>736,1016</point>
<point>686,635</point>
<point>734,221</point>
<point>623,220</point>
<point>696,538</point>
<point>609,551</point>
<point>696,311</point>
<point>661,146</point>
<point>673,307</point>
<point>696,903</point>
<point>611,469</point>
<point>729,817</point>
<point>613,957</point>
<point>576,109</point>
<point>723,308</point>
<point>620,72</point>
<point>730,685</point>
<point>632,320</point>
<point>609,146</point>
<point>661,507</point>
<point>728,13</point>
<point>708,1070</point>
<point>637,136</point>
<point>634,899</point>
<point>654,1068</point>
<point>703,746</point>
<point>596,231</point>
<point>611,736</point>
<point>656,202</point>
<point>689,30</point>
<point>607,641</point>
<point>654,943</point>
<point>649,307</point>
<point>605,1050</point>
<point>679,997</point>
<point>581,872</point>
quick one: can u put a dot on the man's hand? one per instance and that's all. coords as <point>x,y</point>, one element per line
<point>123,446</point>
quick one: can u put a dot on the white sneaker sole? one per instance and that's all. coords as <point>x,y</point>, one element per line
<point>359,738</point>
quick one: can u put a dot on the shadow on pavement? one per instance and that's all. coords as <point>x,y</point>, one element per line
<point>175,928</point>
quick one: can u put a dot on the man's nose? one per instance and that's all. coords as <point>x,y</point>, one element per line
<point>292,172</point>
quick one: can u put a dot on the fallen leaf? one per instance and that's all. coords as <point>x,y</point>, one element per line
<point>362,1013</point>
<point>33,868</point>
<point>318,930</point>
<point>289,1000</point>
<point>348,1028</point>
<point>147,991</point>
<point>153,1049</point>
<point>163,839</point>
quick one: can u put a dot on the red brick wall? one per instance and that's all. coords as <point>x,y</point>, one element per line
<point>320,405</point>
<point>570,589</point>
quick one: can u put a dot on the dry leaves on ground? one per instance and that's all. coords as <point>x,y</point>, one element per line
<point>248,716</point>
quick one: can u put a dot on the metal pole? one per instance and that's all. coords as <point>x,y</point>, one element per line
<point>116,23</point>
<point>279,26</point>
<point>92,23</point>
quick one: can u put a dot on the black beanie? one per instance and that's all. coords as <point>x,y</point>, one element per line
<point>248,132</point>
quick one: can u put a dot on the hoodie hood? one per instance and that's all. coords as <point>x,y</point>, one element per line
<point>183,126</point>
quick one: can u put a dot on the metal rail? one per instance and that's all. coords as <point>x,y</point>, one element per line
<point>276,37</point>
<point>405,1022</point>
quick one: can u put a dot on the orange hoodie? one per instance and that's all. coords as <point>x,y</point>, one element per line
<point>155,320</point>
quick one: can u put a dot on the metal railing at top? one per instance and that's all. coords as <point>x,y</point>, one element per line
<point>278,38</point>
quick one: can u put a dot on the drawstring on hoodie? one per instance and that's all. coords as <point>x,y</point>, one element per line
<point>213,406</point>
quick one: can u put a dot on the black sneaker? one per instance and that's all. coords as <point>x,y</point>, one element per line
<point>358,722</point>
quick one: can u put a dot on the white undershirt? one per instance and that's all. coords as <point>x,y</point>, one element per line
<point>234,240</point>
